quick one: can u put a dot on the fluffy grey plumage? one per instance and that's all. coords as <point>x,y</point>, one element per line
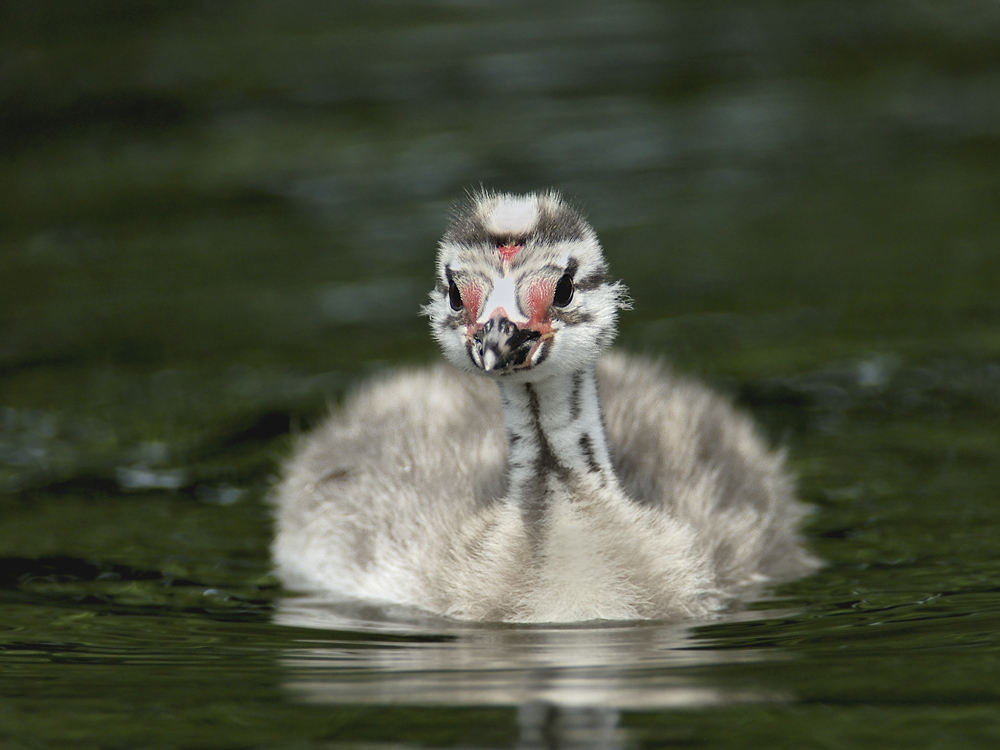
<point>548,482</point>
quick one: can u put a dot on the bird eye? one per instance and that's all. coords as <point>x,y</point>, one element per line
<point>454,296</point>
<point>564,291</point>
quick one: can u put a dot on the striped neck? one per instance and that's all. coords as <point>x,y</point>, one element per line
<point>555,437</point>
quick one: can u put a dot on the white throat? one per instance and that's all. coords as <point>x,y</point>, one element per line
<point>556,440</point>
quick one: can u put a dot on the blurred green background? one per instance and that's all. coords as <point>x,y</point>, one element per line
<point>214,210</point>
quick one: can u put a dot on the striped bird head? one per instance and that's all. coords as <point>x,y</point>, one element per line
<point>522,288</point>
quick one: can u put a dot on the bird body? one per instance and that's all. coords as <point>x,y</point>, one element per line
<point>539,478</point>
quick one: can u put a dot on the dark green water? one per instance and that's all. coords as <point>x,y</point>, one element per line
<point>216,217</point>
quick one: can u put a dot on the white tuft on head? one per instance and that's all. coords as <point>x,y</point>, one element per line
<point>511,214</point>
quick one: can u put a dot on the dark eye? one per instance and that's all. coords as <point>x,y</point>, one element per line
<point>454,296</point>
<point>564,291</point>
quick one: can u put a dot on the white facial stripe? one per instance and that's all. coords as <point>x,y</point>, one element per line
<point>513,216</point>
<point>502,295</point>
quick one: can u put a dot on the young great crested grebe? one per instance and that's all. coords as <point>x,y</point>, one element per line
<point>542,480</point>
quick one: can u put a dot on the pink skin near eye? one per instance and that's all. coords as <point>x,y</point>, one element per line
<point>472,298</point>
<point>539,300</point>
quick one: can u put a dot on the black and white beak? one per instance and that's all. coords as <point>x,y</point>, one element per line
<point>501,345</point>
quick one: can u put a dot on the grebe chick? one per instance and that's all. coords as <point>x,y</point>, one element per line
<point>536,479</point>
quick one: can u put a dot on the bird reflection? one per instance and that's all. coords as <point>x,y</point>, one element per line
<point>569,683</point>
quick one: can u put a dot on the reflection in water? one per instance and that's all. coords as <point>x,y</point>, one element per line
<point>372,655</point>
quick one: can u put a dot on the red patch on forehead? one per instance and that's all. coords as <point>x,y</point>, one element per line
<point>506,252</point>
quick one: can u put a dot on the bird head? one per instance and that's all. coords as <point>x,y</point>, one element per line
<point>522,288</point>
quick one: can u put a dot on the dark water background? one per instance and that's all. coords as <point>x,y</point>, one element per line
<point>217,216</point>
